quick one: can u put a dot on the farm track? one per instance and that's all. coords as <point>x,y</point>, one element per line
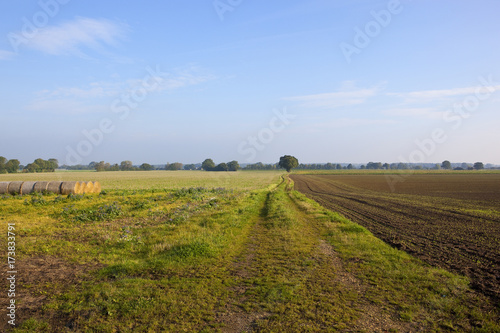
<point>338,297</point>
<point>433,229</point>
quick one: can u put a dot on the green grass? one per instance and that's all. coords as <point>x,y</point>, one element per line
<point>184,257</point>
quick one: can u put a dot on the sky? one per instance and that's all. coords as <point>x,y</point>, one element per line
<point>347,81</point>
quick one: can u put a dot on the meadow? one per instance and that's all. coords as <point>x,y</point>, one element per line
<point>216,252</point>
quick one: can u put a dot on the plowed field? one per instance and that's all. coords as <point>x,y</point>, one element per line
<point>449,221</point>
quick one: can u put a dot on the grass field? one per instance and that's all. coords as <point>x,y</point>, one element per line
<point>149,180</point>
<point>212,252</point>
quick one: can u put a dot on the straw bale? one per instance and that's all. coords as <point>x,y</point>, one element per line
<point>88,187</point>
<point>41,186</point>
<point>15,187</point>
<point>4,187</point>
<point>97,187</point>
<point>71,188</point>
<point>27,187</point>
<point>54,187</point>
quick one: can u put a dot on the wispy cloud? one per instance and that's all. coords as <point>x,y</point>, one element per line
<point>73,37</point>
<point>442,94</point>
<point>5,55</point>
<point>349,94</point>
<point>97,96</point>
<point>66,107</point>
<point>428,113</point>
<point>355,122</point>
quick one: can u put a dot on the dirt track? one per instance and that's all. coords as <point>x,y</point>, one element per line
<point>458,235</point>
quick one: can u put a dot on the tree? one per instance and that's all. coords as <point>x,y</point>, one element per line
<point>173,166</point>
<point>12,166</point>
<point>101,166</point>
<point>190,167</point>
<point>478,166</point>
<point>374,165</point>
<point>3,160</point>
<point>126,166</point>
<point>288,162</point>
<point>208,165</point>
<point>54,163</point>
<point>146,167</point>
<point>350,166</point>
<point>40,165</point>
<point>233,166</point>
<point>446,165</point>
<point>221,167</point>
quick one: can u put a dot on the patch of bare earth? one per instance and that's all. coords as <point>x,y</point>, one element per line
<point>38,280</point>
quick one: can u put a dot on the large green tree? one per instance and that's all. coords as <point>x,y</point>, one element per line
<point>233,166</point>
<point>12,166</point>
<point>146,167</point>
<point>221,167</point>
<point>446,165</point>
<point>288,162</point>
<point>208,165</point>
<point>478,166</point>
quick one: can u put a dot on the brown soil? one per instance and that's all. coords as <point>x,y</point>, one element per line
<point>442,230</point>
<point>38,280</point>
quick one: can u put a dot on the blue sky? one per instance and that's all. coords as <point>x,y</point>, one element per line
<point>325,81</point>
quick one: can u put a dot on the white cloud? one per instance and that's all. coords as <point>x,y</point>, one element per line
<point>74,36</point>
<point>348,95</point>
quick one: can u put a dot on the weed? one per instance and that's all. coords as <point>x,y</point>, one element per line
<point>93,214</point>
<point>36,199</point>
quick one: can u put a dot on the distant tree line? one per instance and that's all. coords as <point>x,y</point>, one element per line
<point>50,165</point>
<point>128,166</point>
<point>261,166</point>
<point>447,165</point>
<point>209,165</point>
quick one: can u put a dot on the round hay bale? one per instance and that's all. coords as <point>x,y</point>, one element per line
<point>4,187</point>
<point>15,187</point>
<point>54,187</point>
<point>70,188</point>
<point>88,187</point>
<point>97,187</point>
<point>41,187</point>
<point>27,187</point>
